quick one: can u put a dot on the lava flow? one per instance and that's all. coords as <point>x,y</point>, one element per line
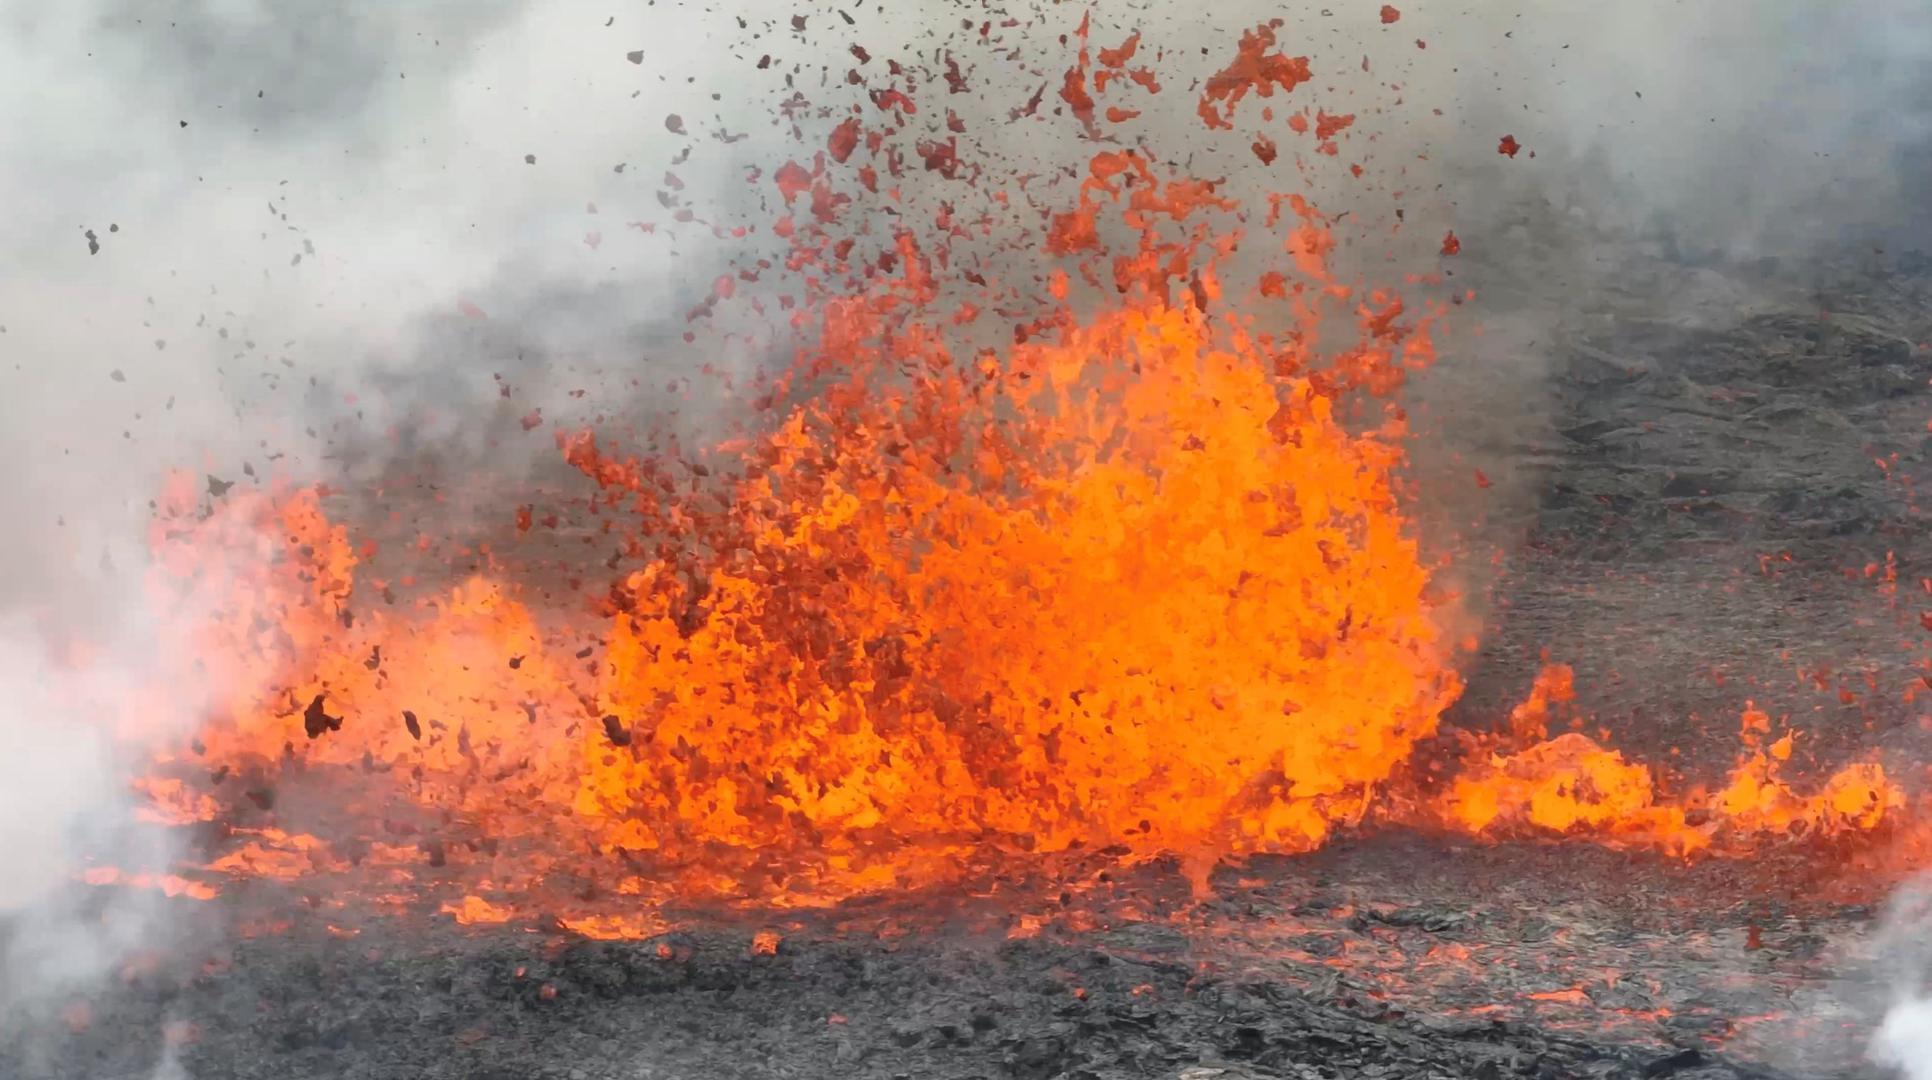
<point>1131,571</point>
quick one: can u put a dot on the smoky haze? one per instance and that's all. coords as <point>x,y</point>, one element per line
<point>296,237</point>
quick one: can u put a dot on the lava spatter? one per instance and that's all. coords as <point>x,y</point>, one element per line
<point>1111,556</point>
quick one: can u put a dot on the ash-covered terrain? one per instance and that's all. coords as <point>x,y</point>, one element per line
<point>1724,497</point>
<point>1332,966</point>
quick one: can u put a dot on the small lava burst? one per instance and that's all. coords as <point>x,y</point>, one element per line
<point>1571,784</point>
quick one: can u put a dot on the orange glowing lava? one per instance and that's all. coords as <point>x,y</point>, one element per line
<point>1141,579</point>
<point>1573,784</point>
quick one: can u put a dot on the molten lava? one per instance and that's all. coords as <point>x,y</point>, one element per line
<point>1573,784</point>
<point>1140,580</point>
<point>1126,588</point>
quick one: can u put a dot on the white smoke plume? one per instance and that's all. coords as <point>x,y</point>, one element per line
<point>1902,950</point>
<point>226,218</point>
<point>59,781</point>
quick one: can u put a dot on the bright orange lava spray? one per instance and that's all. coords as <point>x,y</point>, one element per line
<point>1140,581</point>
